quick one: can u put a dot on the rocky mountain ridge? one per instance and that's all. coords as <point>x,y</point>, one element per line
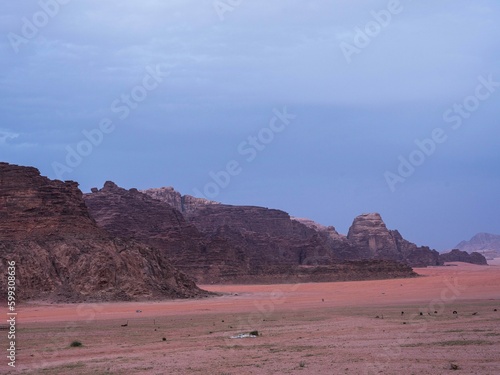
<point>118,244</point>
<point>62,255</point>
<point>217,243</point>
<point>266,236</point>
<point>361,243</point>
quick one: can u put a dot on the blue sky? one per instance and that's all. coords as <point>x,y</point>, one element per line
<point>171,91</point>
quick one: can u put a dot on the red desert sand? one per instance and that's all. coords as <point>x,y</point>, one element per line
<point>447,319</point>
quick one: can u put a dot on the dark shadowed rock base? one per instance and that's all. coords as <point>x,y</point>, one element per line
<point>344,271</point>
<point>462,256</point>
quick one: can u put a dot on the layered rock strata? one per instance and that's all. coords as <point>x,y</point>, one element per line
<point>61,254</point>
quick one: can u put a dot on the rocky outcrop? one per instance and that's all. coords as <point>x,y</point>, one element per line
<point>273,237</point>
<point>183,203</point>
<point>134,215</point>
<point>261,235</point>
<point>370,235</point>
<point>462,256</point>
<point>36,207</point>
<point>486,244</point>
<point>265,236</point>
<point>62,255</point>
<point>212,242</point>
<point>219,243</point>
<point>373,240</point>
<point>330,231</point>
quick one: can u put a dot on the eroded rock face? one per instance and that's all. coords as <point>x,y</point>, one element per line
<point>265,236</point>
<point>373,240</point>
<point>62,255</point>
<point>131,214</point>
<point>369,234</point>
<point>232,244</point>
<point>462,256</point>
<point>310,242</point>
<point>183,203</point>
<point>34,206</point>
<point>273,237</point>
<point>214,242</point>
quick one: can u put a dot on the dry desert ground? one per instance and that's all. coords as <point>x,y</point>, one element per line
<point>324,328</point>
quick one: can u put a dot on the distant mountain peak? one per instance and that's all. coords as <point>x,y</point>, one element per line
<point>487,244</point>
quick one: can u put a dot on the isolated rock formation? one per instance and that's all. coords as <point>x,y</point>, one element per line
<point>462,256</point>
<point>484,243</point>
<point>373,240</point>
<point>62,255</point>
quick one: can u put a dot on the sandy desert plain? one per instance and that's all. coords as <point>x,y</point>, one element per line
<point>315,328</point>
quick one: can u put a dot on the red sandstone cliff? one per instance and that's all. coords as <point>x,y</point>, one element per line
<point>61,254</point>
<point>220,243</point>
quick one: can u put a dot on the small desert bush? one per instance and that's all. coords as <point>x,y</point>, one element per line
<point>76,344</point>
<point>454,366</point>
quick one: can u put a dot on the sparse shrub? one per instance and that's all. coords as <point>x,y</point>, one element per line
<point>254,333</point>
<point>164,339</point>
<point>302,364</point>
<point>76,344</point>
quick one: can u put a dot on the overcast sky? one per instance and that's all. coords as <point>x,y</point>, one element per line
<point>377,106</point>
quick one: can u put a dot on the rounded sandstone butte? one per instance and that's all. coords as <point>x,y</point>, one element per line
<point>369,232</point>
